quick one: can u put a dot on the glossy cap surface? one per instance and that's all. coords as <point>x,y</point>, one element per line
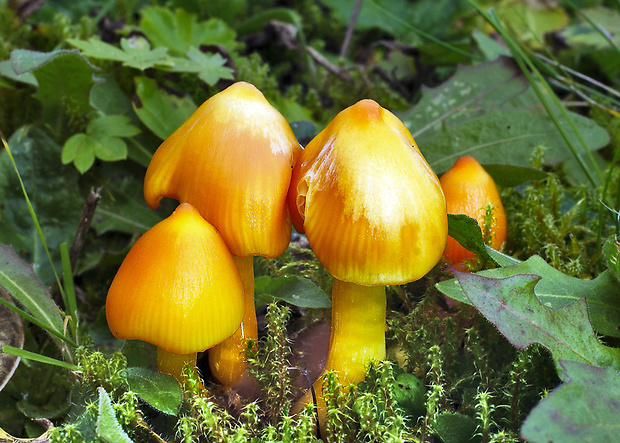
<point>178,287</point>
<point>469,189</point>
<point>370,205</point>
<point>232,160</point>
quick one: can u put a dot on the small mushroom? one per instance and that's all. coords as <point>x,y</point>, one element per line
<point>178,288</point>
<point>469,189</point>
<point>232,160</point>
<point>374,214</point>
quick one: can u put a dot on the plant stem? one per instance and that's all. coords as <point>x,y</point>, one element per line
<point>173,364</point>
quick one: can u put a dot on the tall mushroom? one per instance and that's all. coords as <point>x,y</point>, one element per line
<point>178,288</point>
<point>375,215</point>
<point>232,159</point>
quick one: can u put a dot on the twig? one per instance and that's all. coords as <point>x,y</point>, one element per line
<point>87,217</point>
<point>349,34</point>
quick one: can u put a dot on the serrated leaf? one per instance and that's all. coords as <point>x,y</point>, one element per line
<point>180,29</point>
<point>556,290</point>
<point>611,251</point>
<point>489,111</point>
<point>135,52</point>
<point>20,281</point>
<point>159,390</point>
<point>95,48</point>
<point>585,408</point>
<point>161,112</point>
<point>111,126</point>
<point>292,289</point>
<point>511,305</point>
<point>209,67</point>
<point>108,428</point>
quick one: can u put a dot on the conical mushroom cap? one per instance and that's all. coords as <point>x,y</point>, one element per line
<point>232,160</point>
<point>178,287</point>
<point>371,207</point>
<point>469,189</point>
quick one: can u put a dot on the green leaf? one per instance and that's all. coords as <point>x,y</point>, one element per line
<point>179,30</point>
<point>134,52</point>
<point>124,208</point>
<point>64,79</point>
<point>456,428</point>
<point>556,290</point>
<point>111,126</point>
<point>489,111</point>
<point>72,148</point>
<point>466,231</point>
<point>209,67</point>
<point>108,428</point>
<point>54,194</point>
<point>292,289</point>
<point>161,112</point>
<point>513,175</point>
<point>611,251</point>
<point>159,390</point>
<point>585,408</point>
<point>109,149</point>
<point>20,281</point>
<point>511,305</point>
<point>27,355</point>
<point>6,70</point>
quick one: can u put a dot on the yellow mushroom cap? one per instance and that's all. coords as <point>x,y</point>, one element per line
<point>371,207</point>
<point>232,160</point>
<point>178,287</point>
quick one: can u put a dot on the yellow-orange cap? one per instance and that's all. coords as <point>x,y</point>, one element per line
<point>469,189</point>
<point>232,160</point>
<point>370,205</point>
<point>178,287</point>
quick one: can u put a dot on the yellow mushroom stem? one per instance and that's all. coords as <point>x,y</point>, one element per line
<point>173,364</point>
<point>357,337</point>
<point>227,359</point>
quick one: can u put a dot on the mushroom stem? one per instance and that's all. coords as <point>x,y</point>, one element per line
<point>227,360</point>
<point>357,336</point>
<point>173,364</point>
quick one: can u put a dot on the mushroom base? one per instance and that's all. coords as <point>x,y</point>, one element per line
<point>173,364</point>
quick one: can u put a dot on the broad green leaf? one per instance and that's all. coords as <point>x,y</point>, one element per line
<point>108,428</point>
<point>159,390</point>
<point>111,126</point>
<point>489,111</point>
<point>95,48</point>
<point>511,305</point>
<point>20,281</point>
<point>6,70</point>
<point>179,30</point>
<point>64,79</point>
<point>54,194</point>
<point>611,251</point>
<point>456,428</point>
<point>583,409</point>
<point>513,175</point>
<point>292,289</point>
<point>489,46</point>
<point>110,149</point>
<point>556,290</point>
<point>122,207</point>
<point>161,112</point>
<point>72,148</point>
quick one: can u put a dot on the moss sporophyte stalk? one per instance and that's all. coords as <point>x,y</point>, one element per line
<point>374,214</point>
<point>232,160</point>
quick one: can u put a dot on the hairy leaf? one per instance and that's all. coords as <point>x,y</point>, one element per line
<point>108,428</point>
<point>584,408</point>
<point>159,390</point>
<point>556,289</point>
<point>511,305</point>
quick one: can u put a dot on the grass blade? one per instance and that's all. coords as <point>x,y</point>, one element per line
<point>27,355</point>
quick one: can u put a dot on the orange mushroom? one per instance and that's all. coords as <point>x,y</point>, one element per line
<point>178,288</point>
<point>469,189</point>
<point>374,214</point>
<point>232,160</point>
